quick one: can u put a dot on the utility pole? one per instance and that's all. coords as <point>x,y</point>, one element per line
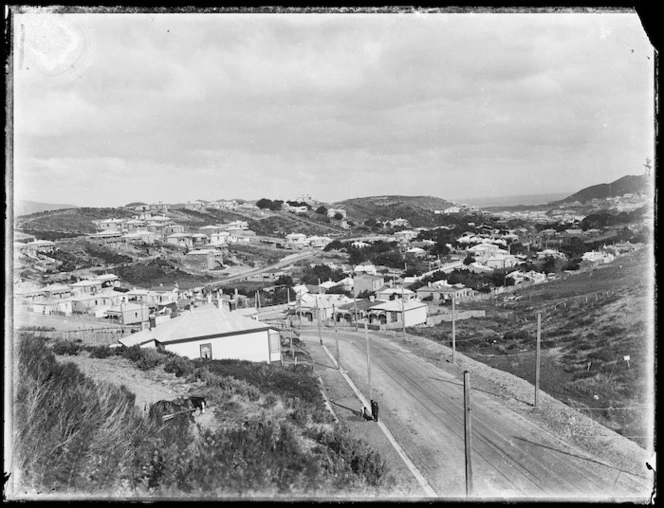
<point>320,337</point>
<point>299,304</point>
<point>366,338</point>
<point>467,433</point>
<point>453,328</point>
<point>355,304</point>
<point>403,315</point>
<point>537,357</point>
<point>336,336</point>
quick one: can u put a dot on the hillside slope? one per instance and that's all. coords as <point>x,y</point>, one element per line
<point>591,322</point>
<point>418,210</point>
<point>25,207</point>
<point>629,184</point>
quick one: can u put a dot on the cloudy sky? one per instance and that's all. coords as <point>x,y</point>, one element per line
<point>114,108</point>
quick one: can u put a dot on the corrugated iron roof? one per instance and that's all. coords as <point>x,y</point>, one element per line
<point>201,322</point>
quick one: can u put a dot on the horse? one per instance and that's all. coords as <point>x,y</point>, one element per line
<point>197,403</point>
<point>184,406</point>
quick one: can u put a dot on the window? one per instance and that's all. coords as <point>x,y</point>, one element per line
<point>206,351</point>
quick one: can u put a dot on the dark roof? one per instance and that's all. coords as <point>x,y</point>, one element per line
<point>362,304</point>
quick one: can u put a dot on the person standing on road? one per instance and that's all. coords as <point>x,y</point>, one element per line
<point>374,409</point>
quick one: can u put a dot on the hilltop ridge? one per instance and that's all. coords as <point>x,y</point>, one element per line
<point>416,209</point>
<point>628,184</point>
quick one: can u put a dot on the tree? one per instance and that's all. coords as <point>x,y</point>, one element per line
<point>469,259</point>
<point>276,205</point>
<point>264,203</point>
<point>321,210</point>
<point>338,290</point>
<point>284,280</point>
<point>338,216</point>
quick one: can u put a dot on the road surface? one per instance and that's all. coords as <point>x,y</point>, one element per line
<point>292,258</point>
<point>422,405</point>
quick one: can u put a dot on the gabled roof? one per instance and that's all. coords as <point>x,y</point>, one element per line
<point>56,287</point>
<point>86,283</point>
<point>396,305</point>
<point>202,322</point>
<point>362,304</point>
<point>393,291</point>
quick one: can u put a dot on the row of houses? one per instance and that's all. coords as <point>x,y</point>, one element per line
<point>342,309</point>
<point>197,205</point>
<point>100,297</point>
<point>301,241</point>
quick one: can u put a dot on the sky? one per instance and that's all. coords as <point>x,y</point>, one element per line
<point>115,108</point>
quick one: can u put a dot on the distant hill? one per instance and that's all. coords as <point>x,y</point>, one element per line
<point>72,220</point>
<point>416,209</point>
<point>630,184</point>
<point>24,207</point>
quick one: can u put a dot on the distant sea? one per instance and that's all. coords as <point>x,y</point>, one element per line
<point>527,199</point>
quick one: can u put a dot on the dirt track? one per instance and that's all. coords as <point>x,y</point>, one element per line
<point>515,456</point>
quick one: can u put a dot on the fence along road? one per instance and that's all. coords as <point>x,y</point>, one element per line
<point>422,405</point>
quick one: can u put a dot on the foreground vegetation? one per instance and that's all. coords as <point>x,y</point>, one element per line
<point>274,436</point>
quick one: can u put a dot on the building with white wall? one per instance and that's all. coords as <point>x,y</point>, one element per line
<point>209,332</point>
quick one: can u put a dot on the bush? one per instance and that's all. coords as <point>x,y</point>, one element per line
<point>179,366</point>
<point>66,347</point>
<point>143,358</point>
<point>71,433</point>
<point>101,352</point>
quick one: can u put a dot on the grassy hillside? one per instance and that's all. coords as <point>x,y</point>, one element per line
<point>629,184</point>
<point>418,210</point>
<point>24,207</point>
<point>71,220</point>
<point>273,435</point>
<point>590,322</point>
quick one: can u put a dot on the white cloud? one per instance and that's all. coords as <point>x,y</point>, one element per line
<point>256,104</point>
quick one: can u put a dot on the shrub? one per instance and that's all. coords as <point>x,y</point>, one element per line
<point>604,355</point>
<point>101,352</point>
<point>71,433</point>
<point>179,366</point>
<point>143,358</point>
<point>66,347</point>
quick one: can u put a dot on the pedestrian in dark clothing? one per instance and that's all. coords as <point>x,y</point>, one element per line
<point>374,409</point>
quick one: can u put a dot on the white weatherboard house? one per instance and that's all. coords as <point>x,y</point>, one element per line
<point>209,332</point>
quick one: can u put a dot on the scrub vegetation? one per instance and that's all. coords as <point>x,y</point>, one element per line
<point>272,437</point>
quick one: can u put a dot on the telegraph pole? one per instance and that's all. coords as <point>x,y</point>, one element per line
<point>453,327</point>
<point>467,433</point>
<point>320,337</point>
<point>355,304</point>
<point>366,337</point>
<point>537,357</point>
<point>403,315</point>
<point>299,304</point>
<point>336,336</point>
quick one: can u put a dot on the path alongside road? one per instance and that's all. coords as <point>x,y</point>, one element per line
<point>513,458</point>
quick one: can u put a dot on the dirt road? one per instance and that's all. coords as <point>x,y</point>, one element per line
<point>512,457</point>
